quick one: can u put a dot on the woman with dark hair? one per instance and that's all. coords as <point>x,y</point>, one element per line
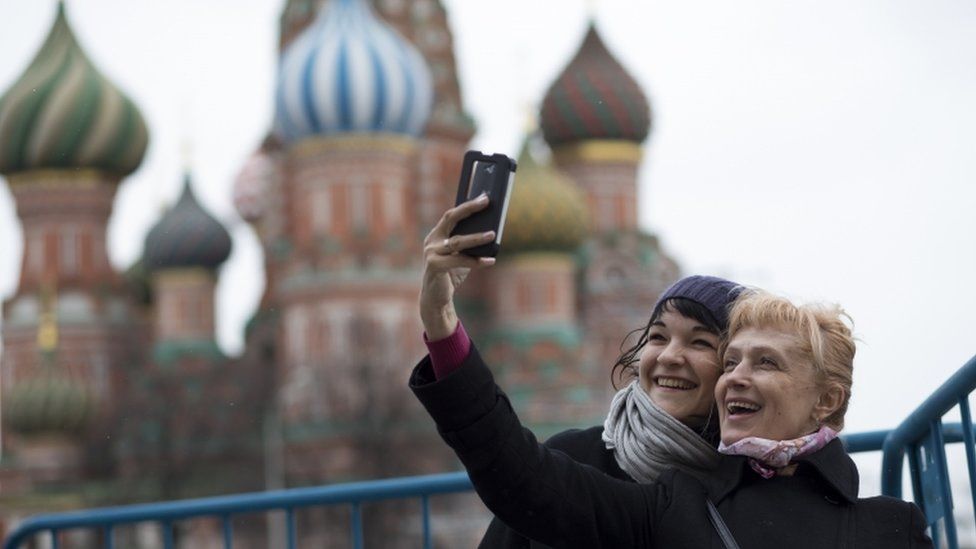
<point>663,418</point>
<point>784,479</point>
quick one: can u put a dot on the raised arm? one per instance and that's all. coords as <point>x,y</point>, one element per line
<point>445,268</point>
<point>541,493</point>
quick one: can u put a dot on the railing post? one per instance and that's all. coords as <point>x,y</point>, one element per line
<point>357,526</point>
<point>939,491</point>
<point>967,438</point>
<point>109,534</point>
<point>228,528</point>
<point>290,522</point>
<point>167,534</point>
<point>425,511</point>
<point>892,460</point>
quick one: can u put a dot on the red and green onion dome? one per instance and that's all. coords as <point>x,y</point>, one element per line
<point>546,212</point>
<point>594,98</point>
<point>186,236</point>
<point>45,404</point>
<point>63,114</point>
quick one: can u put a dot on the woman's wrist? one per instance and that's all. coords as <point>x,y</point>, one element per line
<point>447,354</point>
<point>439,323</point>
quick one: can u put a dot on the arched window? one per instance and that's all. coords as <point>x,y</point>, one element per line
<point>392,206</point>
<point>35,252</point>
<point>321,210</point>
<point>68,250</point>
<point>359,207</point>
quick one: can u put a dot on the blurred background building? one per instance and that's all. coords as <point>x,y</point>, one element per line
<point>113,387</point>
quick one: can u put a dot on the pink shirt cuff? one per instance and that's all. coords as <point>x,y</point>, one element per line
<point>447,355</point>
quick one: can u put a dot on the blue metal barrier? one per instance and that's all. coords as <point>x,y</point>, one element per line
<point>923,437</point>
<point>225,507</point>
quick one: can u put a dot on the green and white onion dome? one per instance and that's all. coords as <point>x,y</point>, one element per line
<point>546,212</point>
<point>186,236</point>
<point>594,98</point>
<point>63,114</point>
<point>351,72</point>
<point>47,403</point>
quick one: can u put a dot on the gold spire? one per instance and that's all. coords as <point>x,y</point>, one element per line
<point>47,329</point>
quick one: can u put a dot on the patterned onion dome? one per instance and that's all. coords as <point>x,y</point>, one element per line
<point>251,185</point>
<point>594,98</point>
<point>350,72</point>
<point>62,113</point>
<point>186,236</point>
<point>47,403</point>
<point>546,211</point>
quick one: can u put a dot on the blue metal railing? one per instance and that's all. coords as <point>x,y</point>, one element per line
<point>352,494</point>
<point>923,437</point>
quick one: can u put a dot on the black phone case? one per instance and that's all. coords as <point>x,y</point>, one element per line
<point>495,175</point>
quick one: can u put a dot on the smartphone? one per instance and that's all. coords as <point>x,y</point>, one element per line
<point>493,175</point>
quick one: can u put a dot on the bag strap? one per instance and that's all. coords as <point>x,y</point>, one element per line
<point>720,527</point>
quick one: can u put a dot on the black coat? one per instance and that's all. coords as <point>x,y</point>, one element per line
<point>584,446</point>
<point>548,497</point>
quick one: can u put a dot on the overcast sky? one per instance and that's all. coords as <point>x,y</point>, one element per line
<point>825,150</point>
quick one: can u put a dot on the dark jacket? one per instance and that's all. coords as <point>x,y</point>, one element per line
<point>548,497</point>
<point>584,446</point>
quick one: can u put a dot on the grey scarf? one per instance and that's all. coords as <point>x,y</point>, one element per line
<point>646,440</point>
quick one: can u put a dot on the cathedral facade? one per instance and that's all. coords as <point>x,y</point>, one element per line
<point>113,387</point>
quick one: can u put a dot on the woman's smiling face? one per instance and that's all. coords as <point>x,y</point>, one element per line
<point>768,388</point>
<point>679,366</point>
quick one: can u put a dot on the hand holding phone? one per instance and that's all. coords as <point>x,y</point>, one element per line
<point>493,176</point>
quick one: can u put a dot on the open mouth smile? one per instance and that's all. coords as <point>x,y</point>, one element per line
<point>674,383</point>
<point>741,408</point>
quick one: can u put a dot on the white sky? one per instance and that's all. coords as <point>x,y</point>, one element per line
<point>825,150</point>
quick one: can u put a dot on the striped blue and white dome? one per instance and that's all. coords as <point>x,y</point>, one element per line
<point>351,72</point>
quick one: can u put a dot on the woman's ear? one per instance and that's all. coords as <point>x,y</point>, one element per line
<point>831,400</point>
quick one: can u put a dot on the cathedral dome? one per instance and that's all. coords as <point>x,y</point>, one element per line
<point>62,113</point>
<point>186,236</point>
<point>47,403</point>
<point>594,98</point>
<point>546,211</point>
<point>351,72</point>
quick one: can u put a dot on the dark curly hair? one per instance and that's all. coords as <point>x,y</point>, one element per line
<point>625,369</point>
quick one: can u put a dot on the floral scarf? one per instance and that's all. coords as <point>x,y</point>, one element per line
<point>766,456</point>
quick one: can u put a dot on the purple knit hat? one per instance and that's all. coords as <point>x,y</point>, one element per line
<point>714,293</point>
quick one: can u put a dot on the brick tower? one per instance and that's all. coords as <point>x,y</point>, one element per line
<point>353,99</point>
<point>595,118</point>
<point>68,137</point>
<point>534,338</point>
<point>364,154</point>
<point>194,416</point>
